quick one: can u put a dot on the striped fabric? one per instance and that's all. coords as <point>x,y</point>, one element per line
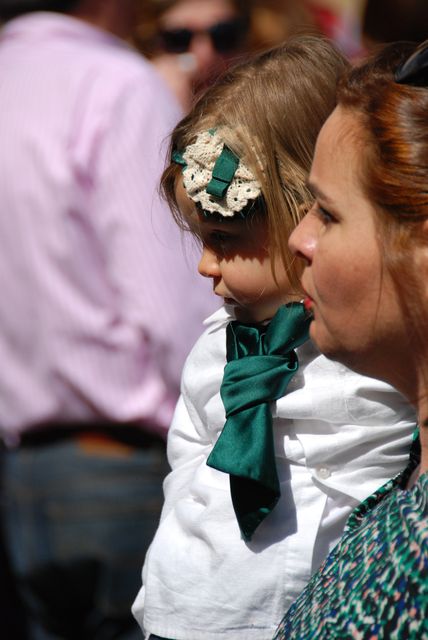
<point>99,303</point>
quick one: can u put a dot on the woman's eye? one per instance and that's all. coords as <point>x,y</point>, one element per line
<point>325,215</point>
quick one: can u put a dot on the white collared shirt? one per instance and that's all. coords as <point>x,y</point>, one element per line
<point>338,437</point>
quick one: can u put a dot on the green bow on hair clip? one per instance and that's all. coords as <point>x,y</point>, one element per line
<point>414,71</point>
<point>223,171</point>
<point>214,177</point>
<point>177,157</point>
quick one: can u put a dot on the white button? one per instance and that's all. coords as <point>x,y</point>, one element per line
<point>323,472</point>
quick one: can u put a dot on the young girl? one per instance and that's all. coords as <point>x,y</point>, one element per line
<point>261,484</point>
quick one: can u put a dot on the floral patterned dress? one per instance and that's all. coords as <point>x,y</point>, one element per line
<point>374,584</point>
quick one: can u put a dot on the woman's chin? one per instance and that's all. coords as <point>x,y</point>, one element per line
<point>324,342</point>
<point>350,356</point>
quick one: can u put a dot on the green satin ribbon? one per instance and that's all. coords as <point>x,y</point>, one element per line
<point>223,173</point>
<point>260,363</point>
<point>177,157</point>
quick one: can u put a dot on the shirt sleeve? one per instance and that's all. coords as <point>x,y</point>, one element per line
<point>187,450</point>
<point>157,301</point>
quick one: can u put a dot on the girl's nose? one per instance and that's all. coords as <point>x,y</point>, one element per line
<point>209,264</point>
<point>302,240</point>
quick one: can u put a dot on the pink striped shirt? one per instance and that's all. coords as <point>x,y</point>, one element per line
<point>99,303</point>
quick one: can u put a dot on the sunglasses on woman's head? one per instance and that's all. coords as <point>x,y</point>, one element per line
<point>414,71</point>
<point>225,36</point>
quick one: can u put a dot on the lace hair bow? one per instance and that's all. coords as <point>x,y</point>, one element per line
<point>215,177</point>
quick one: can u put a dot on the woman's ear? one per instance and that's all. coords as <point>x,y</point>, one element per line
<point>424,234</point>
<point>420,251</point>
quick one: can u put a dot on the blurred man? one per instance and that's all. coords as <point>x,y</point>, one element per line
<point>99,308</point>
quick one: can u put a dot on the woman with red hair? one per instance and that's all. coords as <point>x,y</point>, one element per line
<point>364,243</point>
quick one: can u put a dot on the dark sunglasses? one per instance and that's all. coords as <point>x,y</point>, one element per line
<point>414,71</point>
<point>225,36</point>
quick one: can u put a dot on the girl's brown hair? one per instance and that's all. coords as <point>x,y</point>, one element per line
<point>274,106</point>
<point>393,140</point>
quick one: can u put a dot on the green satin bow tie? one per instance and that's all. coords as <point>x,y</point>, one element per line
<point>260,363</point>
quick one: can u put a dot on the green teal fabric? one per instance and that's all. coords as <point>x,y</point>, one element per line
<point>261,362</point>
<point>223,172</point>
<point>177,157</point>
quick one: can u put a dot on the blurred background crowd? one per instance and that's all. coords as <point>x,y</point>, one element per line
<point>189,43</point>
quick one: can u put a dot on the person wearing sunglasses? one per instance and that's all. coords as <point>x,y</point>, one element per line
<point>364,243</point>
<point>192,41</point>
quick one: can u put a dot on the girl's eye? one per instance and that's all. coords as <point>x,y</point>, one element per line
<point>219,237</point>
<point>219,240</point>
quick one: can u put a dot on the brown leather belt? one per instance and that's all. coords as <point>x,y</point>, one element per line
<point>129,435</point>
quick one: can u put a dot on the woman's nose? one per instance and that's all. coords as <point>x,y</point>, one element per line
<point>209,264</point>
<point>302,241</point>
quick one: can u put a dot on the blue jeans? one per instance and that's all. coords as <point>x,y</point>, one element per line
<point>77,524</point>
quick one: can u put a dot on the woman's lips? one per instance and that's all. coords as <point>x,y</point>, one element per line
<point>308,303</point>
